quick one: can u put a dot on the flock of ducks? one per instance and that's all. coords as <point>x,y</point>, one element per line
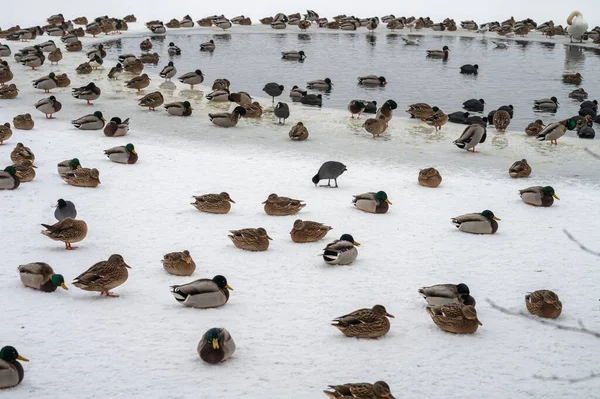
<point>450,306</point>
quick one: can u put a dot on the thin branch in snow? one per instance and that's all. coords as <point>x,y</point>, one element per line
<point>592,153</point>
<point>583,247</point>
<point>581,329</point>
<point>591,376</point>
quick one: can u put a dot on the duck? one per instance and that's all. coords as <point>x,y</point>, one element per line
<point>324,84</point>
<point>273,90</point>
<point>173,49</point>
<point>364,323</point>
<point>33,60</point>
<point>5,50</point>
<point>293,55</point>
<point>227,119</point>
<point>396,24</point>
<point>116,127</point>
<point>538,196</point>
<point>282,111</point>
<point>89,93</point>
<point>148,58</point>
<point>10,178</point>
<point>216,346</point>
<point>420,110</point>
<point>356,107</point>
<point>179,263</point>
<point>152,100</point>
<point>9,92</point>
<point>330,170</point>
<point>372,80</point>
<point>275,205</point>
<point>179,108</point>
<point>372,202</point>
<point>443,53</point>
<point>312,99</point>
<point>25,170</point>
<point>70,38</point>
<point>68,230</point>
<point>168,72</point>
<point>186,22</point>
<point>74,46</point>
<point>134,66</point>
<point>411,42</point>
<point>146,45</point>
<point>501,120</point>
<point>297,93</point>
<point>158,29</point>
<point>299,132</point>
<point>546,104</point>
<point>23,122</point>
<point>21,154</point>
<point>5,132</point>
<point>543,303</point>
<point>84,69</point>
<point>555,130</point>
<point>93,29</point>
<point>82,177</point>
<point>477,223</point>
<point>429,177</point>
<point>55,56</point>
<point>455,318</point>
<point>65,209</point>
<point>208,46</point>
<point>250,239</point>
<point>223,24</point>
<point>534,128</point>
<point>81,21</point>
<point>173,24</point>
<point>304,25</point>
<point>378,390</point>
<point>67,166</point>
<point>253,110</point>
<point>97,51</point>
<point>213,203</point>
<point>342,251</point>
<point>278,25</point>
<point>472,136</point>
<point>444,294</point>
<point>474,105</point>
<point>48,106</point>
<point>138,82</point>
<point>11,371</point>
<point>241,98</point>
<point>104,276</point>
<point>203,293</point>
<point>6,74</point>
<point>307,231</point>
<point>41,276</point>
<point>437,119</point>
<point>93,121</point>
<point>96,62</point>
<point>372,24</point>
<point>386,110</point>
<point>63,80</point>
<point>577,26</point>
<point>519,169</point>
<point>220,95</point>
<point>125,154</point>
<point>192,78</point>
<point>573,78</point>
<point>46,83</point>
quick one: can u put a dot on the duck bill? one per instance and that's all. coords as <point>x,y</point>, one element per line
<point>103,119</point>
<point>133,152</point>
<point>64,286</point>
<point>19,357</point>
<point>229,287</point>
<point>478,322</point>
<point>269,238</point>
<point>188,261</point>
<point>495,218</point>
<point>390,315</point>
<point>127,266</point>
<point>215,343</point>
<point>356,243</point>
<point>264,202</point>
<point>388,201</point>
<point>18,175</point>
<point>232,201</point>
<point>555,197</point>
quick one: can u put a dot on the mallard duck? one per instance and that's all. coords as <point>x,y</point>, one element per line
<point>273,90</point>
<point>216,346</point>
<point>74,46</point>
<point>555,130</point>
<point>281,111</point>
<point>372,202</point>
<point>138,82</point>
<point>65,209</point>
<point>342,251</point>
<point>329,170</point>
<point>122,154</point>
<point>519,169</point>
<point>96,62</point>
<point>33,60</point>
<point>97,51</point>
<point>179,263</point>
<point>204,22</point>
<point>546,104</point>
<point>104,276</point>
<point>455,318</point>
<point>443,53</point>
<point>306,231</point>
<point>543,303</point>
<point>293,55</point>
<point>130,18</point>
<point>152,100</point>
<point>208,46</point>
<point>23,122</point>
<point>115,71</point>
<point>134,66</point>
<point>93,121</point>
<point>82,177</point>
<point>364,323</point>
<point>168,72</point>
<point>386,110</point>
<point>70,38</point>
<point>477,223</point>
<point>573,78</point>
<point>158,29</point>
<point>356,107</point>
<point>241,98</point>
<point>501,120</point>
<point>68,230</point>
<point>437,119</point>
<point>5,132</point>
<point>298,132</point>
<point>89,92</point>
<point>48,106</point>
<point>62,80</point>
<point>146,45</point>
<point>80,21</point>
<point>5,50</point>
<point>324,84</point>
<point>25,170</point>
<point>379,390</point>
<point>297,93</point>
<point>55,56</point>
<point>179,108</point>
<point>266,20</point>
<point>227,119</point>
<point>220,95</point>
<point>11,371</point>
<point>223,24</point>
<point>9,178</point>
<point>372,80</point>
<point>21,154</point>
<point>203,293</point>
<point>148,58</point>
<point>429,177</point>
<point>116,127</point>
<point>6,74</point>
<point>213,203</point>
<point>472,135</point>
<point>275,205</point>
<point>534,128</point>
<point>173,24</point>
<point>250,239</point>
<point>375,126</point>
<point>84,69</point>
<point>538,196</point>
<point>173,49</point>
<point>68,165</point>
<point>41,276</point>
<point>444,294</point>
<point>192,78</point>
<point>186,22</point>
<point>253,110</point>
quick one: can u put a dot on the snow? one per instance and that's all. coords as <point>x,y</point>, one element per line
<point>143,344</point>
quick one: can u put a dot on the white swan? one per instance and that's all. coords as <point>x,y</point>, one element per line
<point>577,26</point>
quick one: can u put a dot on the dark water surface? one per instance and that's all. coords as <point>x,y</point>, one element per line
<point>524,72</point>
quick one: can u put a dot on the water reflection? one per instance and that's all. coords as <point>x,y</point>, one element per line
<point>371,39</point>
<point>304,37</point>
<point>158,39</point>
<point>574,57</point>
<point>222,37</point>
<point>523,44</point>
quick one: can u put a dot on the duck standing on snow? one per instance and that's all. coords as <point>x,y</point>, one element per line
<point>48,106</point>
<point>41,276</point>
<point>385,112</point>
<point>115,71</point>
<point>555,130</point>
<point>169,71</point>
<point>216,346</point>
<point>577,26</point>
<point>192,78</point>
<point>203,293</point>
<point>104,276</point>
<point>342,251</point>
<point>477,223</point>
<point>89,93</point>
<point>356,107</point>
<point>46,83</point>
<point>138,82</point>
<point>543,303</point>
<point>11,371</point>
<point>538,196</point>
<point>474,134</point>
<point>444,294</point>
<point>373,202</point>
<point>227,119</point>
<point>364,323</point>
<point>68,230</point>
<point>152,100</point>
<point>122,154</point>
